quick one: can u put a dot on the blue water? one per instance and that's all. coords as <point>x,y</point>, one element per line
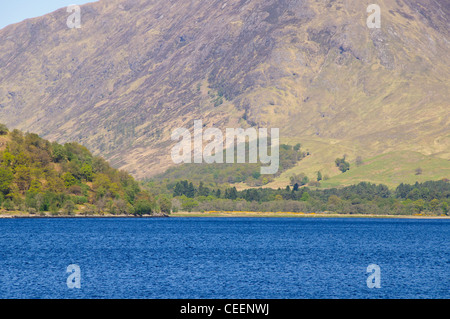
<point>231,258</point>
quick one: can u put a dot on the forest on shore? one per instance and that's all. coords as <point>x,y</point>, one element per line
<point>428,198</point>
<point>39,177</point>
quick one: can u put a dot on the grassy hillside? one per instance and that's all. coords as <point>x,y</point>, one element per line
<point>390,168</point>
<point>393,169</point>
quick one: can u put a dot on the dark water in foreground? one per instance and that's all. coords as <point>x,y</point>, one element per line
<point>231,258</point>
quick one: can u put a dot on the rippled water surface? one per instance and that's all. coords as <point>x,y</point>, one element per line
<point>267,258</point>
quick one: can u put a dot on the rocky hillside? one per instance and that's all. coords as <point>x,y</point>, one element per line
<point>137,69</point>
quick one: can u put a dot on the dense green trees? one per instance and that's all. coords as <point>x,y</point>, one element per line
<point>144,207</point>
<point>165,204</point>
<point>38,176</point>
<point>364,198</point>
<point>6,178</point>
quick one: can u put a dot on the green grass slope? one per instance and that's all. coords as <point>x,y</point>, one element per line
<point>392,169</point>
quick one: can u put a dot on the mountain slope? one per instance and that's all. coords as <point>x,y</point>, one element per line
<point>138,69</point>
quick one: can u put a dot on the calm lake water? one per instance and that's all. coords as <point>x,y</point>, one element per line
<point>231,258</point>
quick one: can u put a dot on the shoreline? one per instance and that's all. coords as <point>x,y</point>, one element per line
<point>297,215</point>
<point>19,215</point>
<point>34,216</point>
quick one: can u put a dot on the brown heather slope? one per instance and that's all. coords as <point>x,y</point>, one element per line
<point>137,69</point>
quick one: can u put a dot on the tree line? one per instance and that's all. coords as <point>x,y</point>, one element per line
<point>431,197</point>
<point>41,177</point>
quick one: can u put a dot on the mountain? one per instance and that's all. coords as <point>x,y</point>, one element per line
<point>138,69</point>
